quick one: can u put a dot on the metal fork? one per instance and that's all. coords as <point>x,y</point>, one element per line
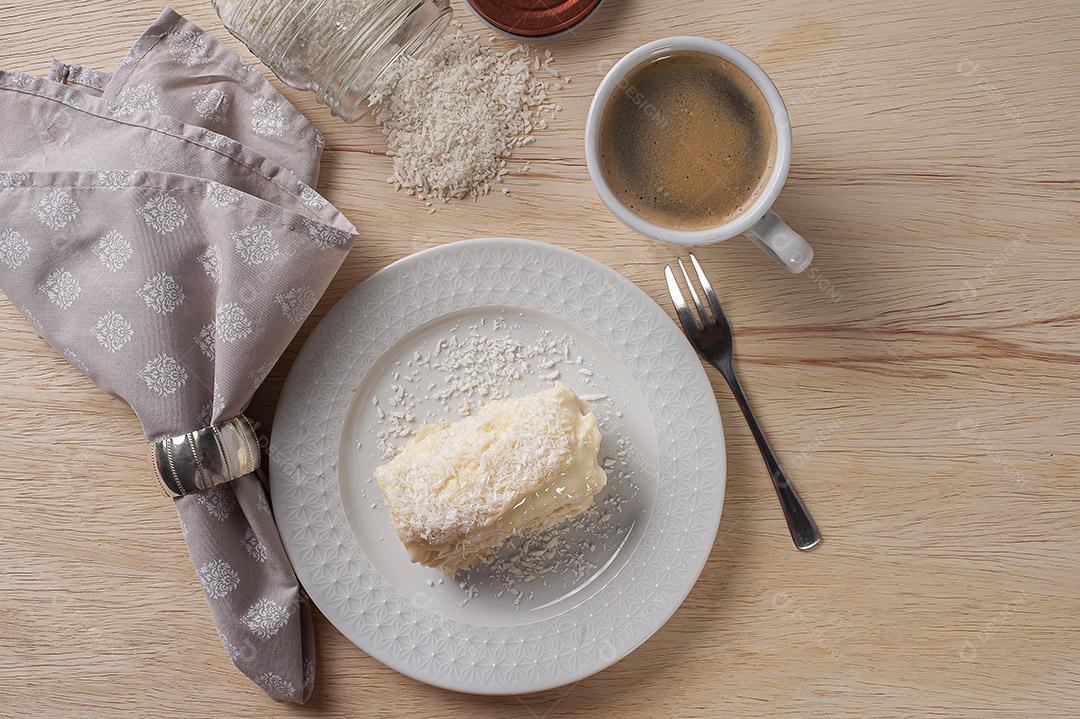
<point>711,336</point>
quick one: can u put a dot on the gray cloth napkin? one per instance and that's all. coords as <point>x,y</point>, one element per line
<point>173,264</point>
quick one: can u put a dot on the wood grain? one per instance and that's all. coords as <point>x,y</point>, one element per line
<point>920,382</point>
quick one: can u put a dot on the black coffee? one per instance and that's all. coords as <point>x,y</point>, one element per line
<point>687,141</point>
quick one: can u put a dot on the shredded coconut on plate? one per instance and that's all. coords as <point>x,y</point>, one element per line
<point>454,114</point>
<point>493,358</point>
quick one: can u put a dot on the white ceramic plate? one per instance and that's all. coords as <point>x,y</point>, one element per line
<point>609,580</point>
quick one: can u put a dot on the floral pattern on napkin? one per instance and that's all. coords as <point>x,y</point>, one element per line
<point>173,263</point>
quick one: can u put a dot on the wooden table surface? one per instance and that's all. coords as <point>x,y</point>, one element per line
<point>920,382</point>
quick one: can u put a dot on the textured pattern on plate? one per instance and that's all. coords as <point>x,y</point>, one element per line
<point>422,643</point>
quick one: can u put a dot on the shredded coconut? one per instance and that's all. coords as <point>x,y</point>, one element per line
<point>454,114</point>
<point>465,369</point>
<point>474,369</point>
<point>435,490</point>
<point>563,555</point>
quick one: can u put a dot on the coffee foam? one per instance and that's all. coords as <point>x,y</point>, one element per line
<point>687,141</point>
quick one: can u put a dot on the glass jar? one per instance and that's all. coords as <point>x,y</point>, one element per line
<point>335,48</point>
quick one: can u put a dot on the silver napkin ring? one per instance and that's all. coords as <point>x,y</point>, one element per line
<point>207,457</point>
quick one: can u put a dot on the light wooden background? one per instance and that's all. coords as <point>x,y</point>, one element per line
<point>920,382</point>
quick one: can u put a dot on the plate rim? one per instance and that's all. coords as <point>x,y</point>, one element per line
<point>281,410</point>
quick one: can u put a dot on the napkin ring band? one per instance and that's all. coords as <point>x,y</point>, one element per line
<point>207,457</point>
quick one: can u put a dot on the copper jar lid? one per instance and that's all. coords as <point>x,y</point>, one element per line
<point>533,18</point>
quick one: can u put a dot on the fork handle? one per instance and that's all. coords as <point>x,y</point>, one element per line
<point>804,531</point>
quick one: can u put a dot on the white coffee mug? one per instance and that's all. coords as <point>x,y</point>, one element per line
<point>760,224</point>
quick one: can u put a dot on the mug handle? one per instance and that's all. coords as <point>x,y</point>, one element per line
<point>780,242</point>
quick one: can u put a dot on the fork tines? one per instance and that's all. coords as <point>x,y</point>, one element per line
<point>691,321</point>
